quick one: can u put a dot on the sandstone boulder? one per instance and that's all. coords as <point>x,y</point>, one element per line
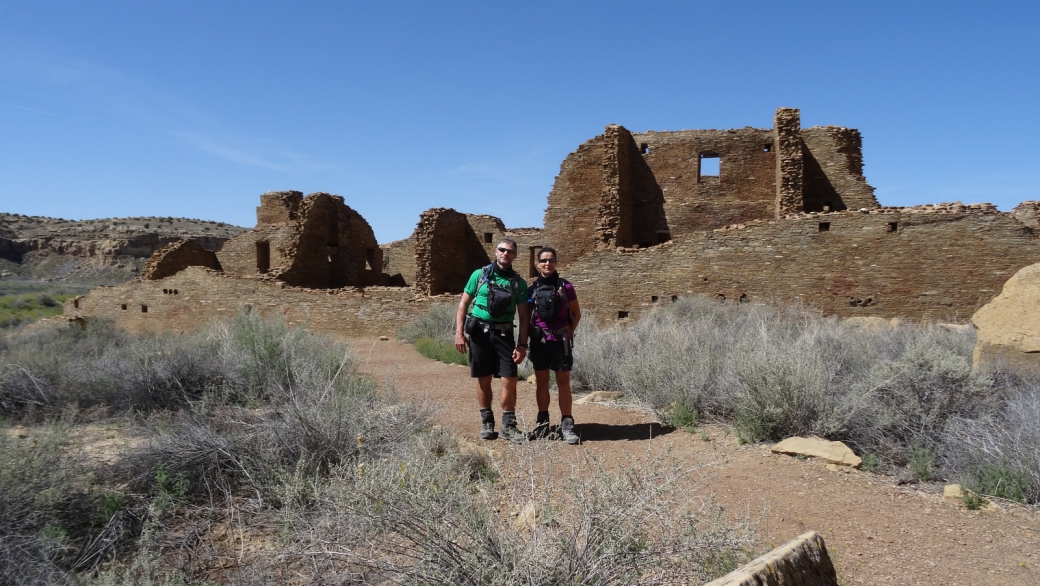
<point>1009,325</point>
<point>532,379</point>
<point>599,397</point>
<point>814,447</point>
<point>803,561</point>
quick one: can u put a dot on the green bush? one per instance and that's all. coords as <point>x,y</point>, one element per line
<point>438,324</point>
<point>922,463</point>
<point>443,351</point>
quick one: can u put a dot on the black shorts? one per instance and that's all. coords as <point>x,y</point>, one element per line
<point>555,355</point>
<point>491,353</point>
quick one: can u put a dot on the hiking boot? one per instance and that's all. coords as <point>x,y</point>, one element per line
<point>567,431</point>
<point>541,431</point>
<point>511,433</point>
<point>487,430</point>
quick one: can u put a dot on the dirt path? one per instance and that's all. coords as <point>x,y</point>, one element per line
<point>877,532</point>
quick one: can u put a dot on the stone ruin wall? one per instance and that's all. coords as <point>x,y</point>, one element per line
<point>177,257</point>
<point>930,262</point>
<point>198,296</point>
<point>833,170</point>
<point>572,220</point>
<point>635,223</point>
<point>624,190</point>
<point>399,256</point>
<point>316,241</point>
<point>446,252</point>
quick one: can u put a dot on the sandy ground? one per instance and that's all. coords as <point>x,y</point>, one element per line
<point>876,532</point>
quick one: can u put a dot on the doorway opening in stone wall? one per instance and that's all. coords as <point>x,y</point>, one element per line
<point>532,256</point>
<point>370,259</point>
<point>263,256</point>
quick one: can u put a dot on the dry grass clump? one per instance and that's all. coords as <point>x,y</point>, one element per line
<point>270,458</point>
<point>423,520</point>
<point>903,396</point>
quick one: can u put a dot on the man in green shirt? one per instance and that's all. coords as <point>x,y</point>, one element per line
<point>496,292</point>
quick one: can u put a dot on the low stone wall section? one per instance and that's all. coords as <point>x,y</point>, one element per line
<point>933,262</point>
<point>198,296</point>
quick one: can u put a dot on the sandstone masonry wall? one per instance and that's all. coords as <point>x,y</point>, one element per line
<point>177,257</point>
<point>198,296</point>
<point>931,262</point>
<point>573,217</point>
<point>789,162</point>
<point>447,252</point>
<point>833,170</point>
<point>743,190</point>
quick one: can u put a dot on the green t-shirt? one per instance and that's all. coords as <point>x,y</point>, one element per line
<point>480,301</point>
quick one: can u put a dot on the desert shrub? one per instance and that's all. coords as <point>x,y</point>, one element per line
<point>776,372</point>
<point>438,324</point>
<point>46,513</point>
<point>442,351</point>
<point>45,300</point>
<point>422,520</point>
<point>999,455</point>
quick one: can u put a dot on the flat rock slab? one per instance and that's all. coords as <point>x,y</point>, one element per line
<point>803,561</point>
<point>814,447</point>
<point>599,397</point>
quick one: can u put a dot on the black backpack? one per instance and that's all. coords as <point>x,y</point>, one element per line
<point>548,299</point>
<point>499,299</point>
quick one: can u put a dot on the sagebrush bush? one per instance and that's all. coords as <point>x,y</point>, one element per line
<point>777,372</point>
<point>438,324</point>
<point>422,520</point>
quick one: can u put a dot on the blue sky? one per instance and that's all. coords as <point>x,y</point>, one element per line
<point>196,108</point>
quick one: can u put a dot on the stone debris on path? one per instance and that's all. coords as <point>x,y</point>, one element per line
<point>814,447</point>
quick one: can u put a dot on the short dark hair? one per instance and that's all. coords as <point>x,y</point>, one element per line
<point>548,249</point>
<point>509,241</point>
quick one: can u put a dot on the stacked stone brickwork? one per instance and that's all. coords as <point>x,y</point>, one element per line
<point>447,251</point>
<point>742,191</point>
<point>198,296</point>
<point>315,241</point>
<point>932,262</point>
<point>399,261</point>
<point>177,257</point>
<point>833,170</point>
<point>789,161</point>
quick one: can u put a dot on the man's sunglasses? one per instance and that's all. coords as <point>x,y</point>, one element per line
<point>509,250</point>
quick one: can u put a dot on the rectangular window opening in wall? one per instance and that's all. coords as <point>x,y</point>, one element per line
<point>767,148</point>
<point>144,308</point>
<point>75,303</point>
<point>825,226</point>
<point>644,148</point>
<point>675,298</point>
<point>653,299</point>
<point>488,237</point>
<point>263,257</point>
<point>532,256</point>
<point>622,315</point>
<point>123,307</point>
<point>710,165</point>
<point>893,226</point>
<point>370,259</point>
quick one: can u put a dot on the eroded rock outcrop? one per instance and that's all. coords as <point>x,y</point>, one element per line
<point>1009,325</point>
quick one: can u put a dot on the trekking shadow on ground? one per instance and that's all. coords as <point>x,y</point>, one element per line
<point>601,432</point>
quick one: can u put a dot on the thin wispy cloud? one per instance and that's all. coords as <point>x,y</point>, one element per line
<point>285,162</point>
<point>90,85</point>
<point>27,109</point>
